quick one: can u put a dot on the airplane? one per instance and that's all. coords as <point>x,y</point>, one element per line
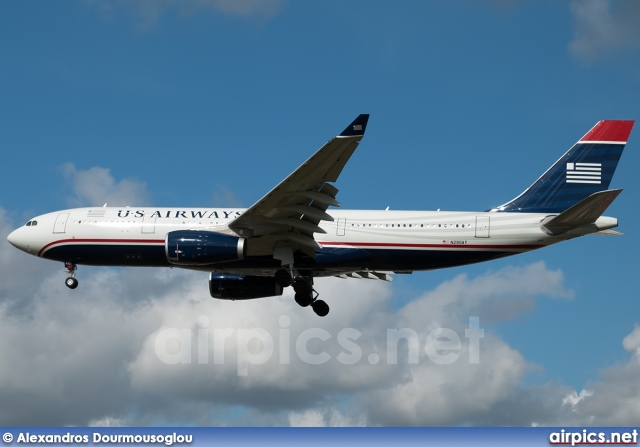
<point>289,236</point>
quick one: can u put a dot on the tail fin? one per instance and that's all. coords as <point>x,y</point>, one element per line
<point>583,170</point>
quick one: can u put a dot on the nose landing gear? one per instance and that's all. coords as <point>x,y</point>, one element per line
<point>71,282</point>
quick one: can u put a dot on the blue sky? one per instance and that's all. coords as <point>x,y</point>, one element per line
<point>213,102</point>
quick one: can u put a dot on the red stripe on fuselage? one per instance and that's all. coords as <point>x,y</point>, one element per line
<point>100,241</point>
<point>406,245</point>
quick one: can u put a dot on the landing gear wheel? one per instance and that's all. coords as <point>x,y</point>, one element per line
<point>302,286</point>
<point>306,296</point>
<point>71,282</point>
<point>304,299</point>
<point>320,308</point>
<point>283,277</point>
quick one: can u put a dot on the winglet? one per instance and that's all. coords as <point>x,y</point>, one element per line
<point>357,127</point>
<point>609,130</point>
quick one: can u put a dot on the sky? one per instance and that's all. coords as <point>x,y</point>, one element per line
<point>203,103</point>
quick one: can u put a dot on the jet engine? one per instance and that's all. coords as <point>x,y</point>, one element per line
<point>225,286</point>
<point>192,247</point>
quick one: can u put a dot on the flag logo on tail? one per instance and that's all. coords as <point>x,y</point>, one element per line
<point>584,173</point>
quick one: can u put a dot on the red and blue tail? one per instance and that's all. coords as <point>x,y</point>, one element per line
<point>585,169</point>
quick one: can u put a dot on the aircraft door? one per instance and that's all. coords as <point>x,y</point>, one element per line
<point>482,226</point>
<point>341,226</point>
<point>60,226</point>
<point>148,225</point>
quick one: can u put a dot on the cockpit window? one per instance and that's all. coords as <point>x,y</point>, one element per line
<point>32,223</point>
<point>28,224</point>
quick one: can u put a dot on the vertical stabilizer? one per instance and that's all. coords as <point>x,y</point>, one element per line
<point>583,170</point>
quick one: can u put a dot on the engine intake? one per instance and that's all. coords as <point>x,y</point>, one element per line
<point>225,286</point>
<point>192,247</point>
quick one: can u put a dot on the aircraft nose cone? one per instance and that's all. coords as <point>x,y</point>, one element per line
<point>12,238</point>
<point>18,241</point>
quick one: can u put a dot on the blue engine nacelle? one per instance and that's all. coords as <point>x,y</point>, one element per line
<point>226,286</point>
<point>192,247</point>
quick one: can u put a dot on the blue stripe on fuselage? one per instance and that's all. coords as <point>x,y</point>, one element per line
<point>109,254</point>
<point>328,258</point>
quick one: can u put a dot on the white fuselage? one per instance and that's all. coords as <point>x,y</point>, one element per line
<point>393,240</point>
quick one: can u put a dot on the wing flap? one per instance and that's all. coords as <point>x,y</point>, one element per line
<point>308,211</point>
<point>367,275</point>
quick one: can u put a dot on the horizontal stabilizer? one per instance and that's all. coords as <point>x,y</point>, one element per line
<point>583,213</point>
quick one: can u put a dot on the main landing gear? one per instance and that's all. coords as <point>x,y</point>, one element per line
<point>71,282</point>
<point>305,294</point>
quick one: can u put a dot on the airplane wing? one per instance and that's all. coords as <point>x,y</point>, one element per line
<point>290,213</point>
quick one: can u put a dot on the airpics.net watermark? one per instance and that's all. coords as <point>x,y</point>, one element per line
<point>257,346</point>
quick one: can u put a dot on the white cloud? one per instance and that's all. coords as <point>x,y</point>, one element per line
<point>462,392</point>
<point>632,342</point>
<point>65,359</point>
<point>284,375</point>
<point>96,186</point>
<point>603,27</point>
<point>21,272</point>
<point>222,197</point>
<point>613,399</point>
<point>573,398</point>
<point>451,394</point>
<point>94,356</point>
<point>327,418</point>
<point>493,296</point>
<point>107,422</point>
